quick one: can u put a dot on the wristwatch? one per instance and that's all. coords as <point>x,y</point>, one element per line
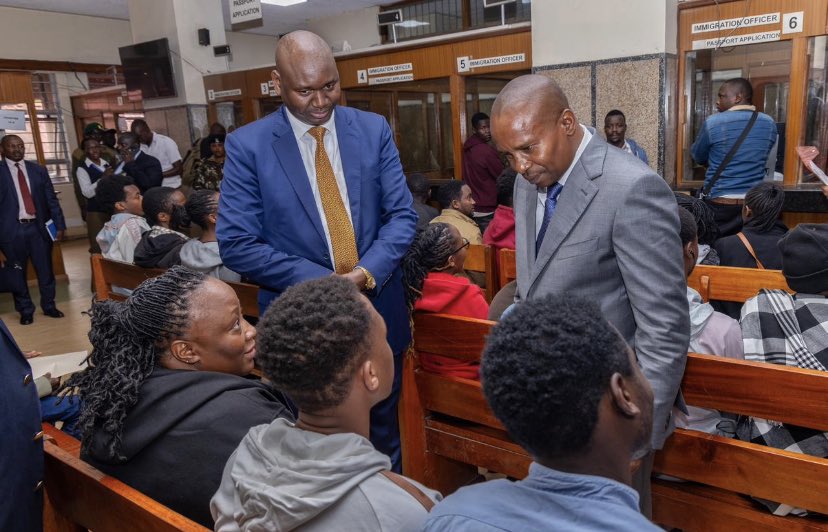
<point>370,282</point>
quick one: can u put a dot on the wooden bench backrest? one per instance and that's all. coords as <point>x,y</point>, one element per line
<point>790,395</point>
<point>110,272</point>
<point>81,497</point>
<point>508,266</point>
<point>481,259</point>
<point>724,283</point>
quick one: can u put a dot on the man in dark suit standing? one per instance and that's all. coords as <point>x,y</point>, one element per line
<point>21,447</point>
<point>143,168</point>
<point>27,202</point>
<point>317,189</point>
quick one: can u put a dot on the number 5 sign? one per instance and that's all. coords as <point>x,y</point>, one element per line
<point>463,64</point>
<point>793,22</point>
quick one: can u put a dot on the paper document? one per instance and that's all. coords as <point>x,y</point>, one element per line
<point>58,365</point>
<point>807,154</point>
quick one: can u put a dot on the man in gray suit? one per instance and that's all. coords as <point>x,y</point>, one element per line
<point>596,222</point>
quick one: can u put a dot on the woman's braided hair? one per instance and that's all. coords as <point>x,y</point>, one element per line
<point>430,252</point>
<point>127,339</point>
<point>765,201</point>
<point>705,221</point>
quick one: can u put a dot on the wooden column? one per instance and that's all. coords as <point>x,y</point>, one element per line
<point>457,88</point>
<point>797,101</point>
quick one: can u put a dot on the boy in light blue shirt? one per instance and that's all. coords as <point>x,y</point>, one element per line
<point>569,390</point>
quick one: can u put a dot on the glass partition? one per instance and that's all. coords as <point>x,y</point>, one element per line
<point>816,112</point>
<point>766,65</point>
<point>230,114</point>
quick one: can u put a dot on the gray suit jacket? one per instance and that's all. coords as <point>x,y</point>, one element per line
<point>614,239</point>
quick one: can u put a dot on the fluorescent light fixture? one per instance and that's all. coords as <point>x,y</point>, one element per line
<point>411,24</point>
<point>283,3</point>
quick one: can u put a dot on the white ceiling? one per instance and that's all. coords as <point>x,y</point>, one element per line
<point>277,20</point>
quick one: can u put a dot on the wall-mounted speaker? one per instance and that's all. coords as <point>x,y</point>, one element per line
<point>204,37</point>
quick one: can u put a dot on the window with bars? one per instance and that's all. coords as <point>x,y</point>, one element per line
<point>423,18</point>
<point>50,123</point>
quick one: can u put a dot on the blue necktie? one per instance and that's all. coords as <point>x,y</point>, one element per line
<point>549,209</point>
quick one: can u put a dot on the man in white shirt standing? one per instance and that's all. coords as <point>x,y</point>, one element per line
<point>162,148</point>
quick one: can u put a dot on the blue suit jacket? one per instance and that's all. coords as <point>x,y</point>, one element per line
<point>270,231</point>
<point>21,456</point>
<point>43,195</point>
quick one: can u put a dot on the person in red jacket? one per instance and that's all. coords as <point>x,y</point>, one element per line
<point>430,274</point>
<point>500,234</point>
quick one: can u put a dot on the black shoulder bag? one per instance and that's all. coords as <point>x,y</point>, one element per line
<point>707,188</point>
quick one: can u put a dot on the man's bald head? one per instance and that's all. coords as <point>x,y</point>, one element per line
<point>533,125</point>
<point>306,77</point>
<point>535,90</point>
<point>301,42</point>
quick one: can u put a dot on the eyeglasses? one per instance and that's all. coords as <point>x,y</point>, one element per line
<point>466,244</point>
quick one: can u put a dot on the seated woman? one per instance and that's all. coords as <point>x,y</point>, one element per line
<point>430,274</point>
<point>165,402</point>
<point>791,330</point>
<point>202,253</point>
<point>708,231</point>
<point>323,343</point>
<point>755,246</point>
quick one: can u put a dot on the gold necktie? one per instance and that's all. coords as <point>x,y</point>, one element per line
<point>340,228</point>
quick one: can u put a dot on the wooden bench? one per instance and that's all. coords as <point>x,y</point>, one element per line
<point>108,273</point>
<point>508,267</point>
<point>721,283</point>
<point>448,429</point>
<point>725,283</point>
<point>80,497</point>
<point>481,259</point>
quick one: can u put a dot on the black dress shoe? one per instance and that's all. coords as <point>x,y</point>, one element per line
<point>26,320</point>
<point>53,313</point>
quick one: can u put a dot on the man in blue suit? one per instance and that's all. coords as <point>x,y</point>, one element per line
<point>27,202</point>
<point>316,189</point>
<point>21,447</point>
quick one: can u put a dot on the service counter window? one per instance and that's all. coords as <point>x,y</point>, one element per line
<point>417,132</point>
<point>419,114</point>
<point>269,105</point>
<point>766,65</point>
<point>816,108</point>
<point>230,114</point>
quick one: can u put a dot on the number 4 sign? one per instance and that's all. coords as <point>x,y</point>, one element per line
<point>793,22</point>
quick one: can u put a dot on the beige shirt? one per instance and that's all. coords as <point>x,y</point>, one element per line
<point>468,229</point>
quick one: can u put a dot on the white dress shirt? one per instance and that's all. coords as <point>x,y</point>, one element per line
<point>88,188</point>
<point>165,150</point>
<point>307,149</point>
<point>541,208</point>
<point>21,214</point>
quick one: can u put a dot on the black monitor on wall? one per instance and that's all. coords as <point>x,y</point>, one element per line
<point>147,68</point>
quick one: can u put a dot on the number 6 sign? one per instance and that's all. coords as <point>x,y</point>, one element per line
<point>793,22</point>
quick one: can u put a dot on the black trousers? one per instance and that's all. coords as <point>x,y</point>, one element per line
<point>30,244</point>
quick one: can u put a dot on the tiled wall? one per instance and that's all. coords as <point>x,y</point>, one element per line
<point>641,87</point>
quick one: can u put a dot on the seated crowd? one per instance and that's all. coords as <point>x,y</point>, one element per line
<point>170,406</point>
<point>170,365</point>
